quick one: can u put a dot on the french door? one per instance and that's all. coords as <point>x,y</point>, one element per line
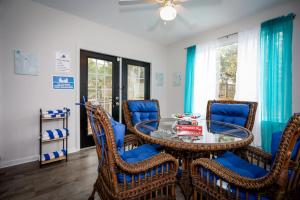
<point>100,83</point>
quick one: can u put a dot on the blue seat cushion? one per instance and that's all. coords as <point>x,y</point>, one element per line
<point>240,166</point>
<point>143,111</point>
<point>276,138</point>
<point>140,153</point>
<point>136,155</point>
<point>230,113</point>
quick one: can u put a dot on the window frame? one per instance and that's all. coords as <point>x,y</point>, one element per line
<point>223,42</point>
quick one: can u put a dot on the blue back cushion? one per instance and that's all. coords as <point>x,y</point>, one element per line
<point>230,113</point>
<point>143,111</point>
<point>276,137</point>
<point>119,132</point>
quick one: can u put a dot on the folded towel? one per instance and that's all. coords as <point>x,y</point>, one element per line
<point>56,113</point>
<point>55,134</point>
<point>53,155</point>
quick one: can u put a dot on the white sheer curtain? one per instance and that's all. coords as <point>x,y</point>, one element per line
<point>205,77</point>
<point>247,76</point>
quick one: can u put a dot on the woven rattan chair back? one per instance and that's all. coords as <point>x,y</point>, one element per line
<point>128,115</point>
<point>111,165</point>
<point>252,110</point>
<point>281,182</point>
<point>102,135</point>
<point>285,170</point>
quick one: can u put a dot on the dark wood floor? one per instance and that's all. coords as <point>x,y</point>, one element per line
<point>63,180</point>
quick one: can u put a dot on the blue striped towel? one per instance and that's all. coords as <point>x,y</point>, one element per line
<point>56,113</point>
<point>55,134</point>
<point>53,155</point>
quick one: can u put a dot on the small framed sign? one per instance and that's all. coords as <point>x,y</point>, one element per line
<point>63,82</point>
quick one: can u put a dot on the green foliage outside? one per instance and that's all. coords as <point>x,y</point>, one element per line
<point>99,80</point>
<point>227,69</point>
<point>228,63</point>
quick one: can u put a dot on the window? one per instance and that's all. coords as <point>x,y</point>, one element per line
<point>100,82</point>
<point>136,82</point>
<point>227,65</point>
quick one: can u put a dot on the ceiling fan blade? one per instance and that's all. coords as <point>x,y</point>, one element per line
<point>135,2</point>
<point>182,1</point>
<point>185,14</point>
<point>199,2</point>
<point>154,25</point>
<point>139,8</point>
<point>167,26</point>
<point>186,22</point>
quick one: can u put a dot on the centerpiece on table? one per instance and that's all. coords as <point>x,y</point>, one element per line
<point>187,125</point>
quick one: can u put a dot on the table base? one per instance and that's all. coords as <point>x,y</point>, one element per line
<point>185,159</point>
<point>185,184</point>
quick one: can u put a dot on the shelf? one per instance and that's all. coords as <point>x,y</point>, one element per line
<point>54,156</point>
<point>55,139</point>
<point>53,160</point>
<point>54,135</point>
<point>50,118</point>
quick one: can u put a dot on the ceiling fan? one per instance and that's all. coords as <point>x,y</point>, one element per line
<point>168,8</point>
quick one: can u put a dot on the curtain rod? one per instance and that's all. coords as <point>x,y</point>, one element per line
<point>225,36</point>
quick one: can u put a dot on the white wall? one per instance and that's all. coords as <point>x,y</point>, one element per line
<point>42,31</point>
<point>177,53</point>
<point>1,84</point>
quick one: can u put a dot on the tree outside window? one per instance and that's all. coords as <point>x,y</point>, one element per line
<point>227,59</point>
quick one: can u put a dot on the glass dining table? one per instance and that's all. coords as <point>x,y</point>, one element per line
<point>186,145</point>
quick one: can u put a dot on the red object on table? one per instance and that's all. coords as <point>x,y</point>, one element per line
<point>189,130</point>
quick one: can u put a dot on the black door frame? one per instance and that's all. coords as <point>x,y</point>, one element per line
<point>125,63</point>
<point>85,139</point>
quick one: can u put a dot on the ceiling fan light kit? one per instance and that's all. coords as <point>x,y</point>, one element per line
<point>168,11</point>
<point>168,8</point>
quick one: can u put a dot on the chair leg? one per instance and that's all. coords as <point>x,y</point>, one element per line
<point>92,196</point>
<point>195,195</point>
<point>174,192</point>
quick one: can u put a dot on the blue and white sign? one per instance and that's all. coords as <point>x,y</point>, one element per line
<point>63,82</point>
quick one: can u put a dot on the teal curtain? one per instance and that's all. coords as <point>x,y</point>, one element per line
<point>189,79</point>
<point>276,76</point>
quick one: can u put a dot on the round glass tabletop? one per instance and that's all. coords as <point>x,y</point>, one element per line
<point>214,134</point>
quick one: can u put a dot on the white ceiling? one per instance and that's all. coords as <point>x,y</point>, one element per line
<point>143,19</point>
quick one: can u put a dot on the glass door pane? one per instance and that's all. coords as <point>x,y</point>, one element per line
<point>135,80</point>
<point>99,83</point>
<point>136,83</point>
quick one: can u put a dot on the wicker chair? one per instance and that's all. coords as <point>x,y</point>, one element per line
<point>260,176</point>
<point>240,113</point>
<point>127,170</point>
<point>137,110</point>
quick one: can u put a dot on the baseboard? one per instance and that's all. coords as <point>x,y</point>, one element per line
<point>10,163</point>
